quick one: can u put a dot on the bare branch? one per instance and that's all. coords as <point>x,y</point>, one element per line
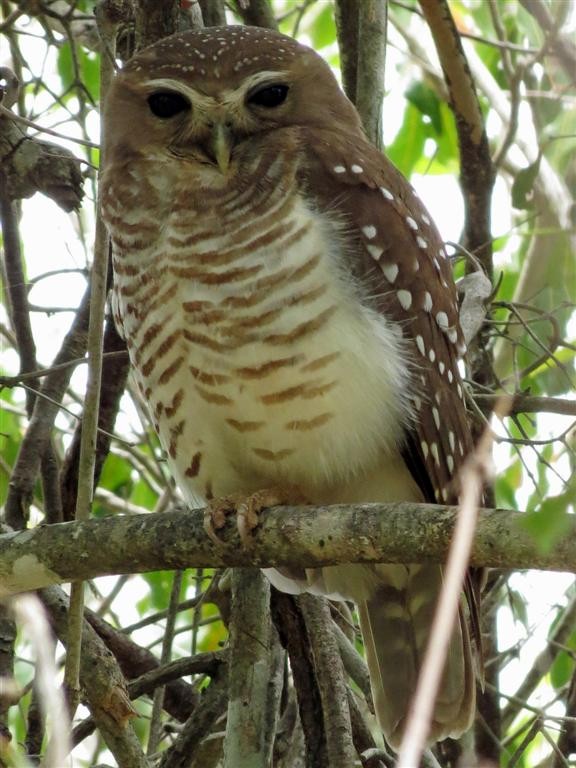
<point>255,673</point>
<point>522,403</point>
<point>305,537</point>
<point>257,13</point>
<point>38,434</point>
<point>103,685</point>
<point>332,685</point>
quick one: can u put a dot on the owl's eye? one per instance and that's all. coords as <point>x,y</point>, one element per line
<point>166,104</point>
<point>270,96</point>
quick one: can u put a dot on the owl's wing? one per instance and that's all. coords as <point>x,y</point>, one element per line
<point>399,257</point>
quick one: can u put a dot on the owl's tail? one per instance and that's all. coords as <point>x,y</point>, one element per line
<point>395,624</point>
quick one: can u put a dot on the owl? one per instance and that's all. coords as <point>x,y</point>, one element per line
<point>290,316</point>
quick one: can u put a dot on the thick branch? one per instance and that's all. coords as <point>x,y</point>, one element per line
<point>103,685</point>
<point>31,165</point>
<point>295,536</point>
<point>476,172</point>
<point>255,673</point>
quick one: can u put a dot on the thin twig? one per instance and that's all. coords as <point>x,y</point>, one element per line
<point>30,612</point>
<point>41,129</point>
<point>473,476</point>
<point>88,440</point>
<point>155,732</point>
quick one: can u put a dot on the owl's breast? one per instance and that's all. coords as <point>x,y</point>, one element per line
<point>252,347</point>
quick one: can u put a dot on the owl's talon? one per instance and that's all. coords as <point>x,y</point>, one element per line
<point>215,516</point>
<point>247,510</point>
<point>247,520</point>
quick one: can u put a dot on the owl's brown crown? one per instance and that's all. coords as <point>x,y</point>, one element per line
<point>224,54</point>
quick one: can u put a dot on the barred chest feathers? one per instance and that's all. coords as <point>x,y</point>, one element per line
<point>248,344</point>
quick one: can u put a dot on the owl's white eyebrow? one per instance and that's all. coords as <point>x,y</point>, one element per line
<point>258,78</point>
<point>175,85</point>
<point>227,96</point>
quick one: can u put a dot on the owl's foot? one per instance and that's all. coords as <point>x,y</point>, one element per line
<point>247,510</point>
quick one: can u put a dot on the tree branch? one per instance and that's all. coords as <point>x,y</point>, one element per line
<point>30,165</point>
<point>302,537</point>
<point>39,431</point>
<point>255,673</point>
<point>331,680</point>
<point>103,685</point>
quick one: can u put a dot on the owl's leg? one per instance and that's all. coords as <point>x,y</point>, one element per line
<point>247,509</point>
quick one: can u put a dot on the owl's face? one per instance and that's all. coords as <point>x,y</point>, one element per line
<point>203,96</point>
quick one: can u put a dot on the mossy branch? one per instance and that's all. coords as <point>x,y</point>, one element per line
<point>295,536</point>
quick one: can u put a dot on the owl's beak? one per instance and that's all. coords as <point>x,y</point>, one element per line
<point>221,142</point>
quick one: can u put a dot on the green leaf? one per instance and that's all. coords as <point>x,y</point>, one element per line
<point>323,28</point>
<point>160,584</point>
<point>10,438</point>
<point>523,185</point>
<point>65,66</point>
<point>518,607</point>
<point>561,670</point>
<point>552,520</point>
<point>88,71</point>
<point>426,101</point>
<point>407,147</point>
<point>507,484</point>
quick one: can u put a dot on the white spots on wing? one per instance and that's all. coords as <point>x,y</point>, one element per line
<point>452,440</point>
<point>339,169</point>
<point>411,223</point>
<point>431,355</point>
<point>405,299</point>
<point>369,232</point>
<point>421,243</point>
<point>450,376</point>
<point>427,305</point>
<point>444,494</point>
<point>420,345</point>
<point>417,402</point>
<point>459,390</point>
<point>450,463</point>
<point>356,168</point>
<point>436,415</point>
<point>460,448</point>
<point>425,219</point>
<point>376,252</point>
<point>452,335</point>
<point>442,253</point>
<point>425,449</point>
<point>441,367</point>
<point>434,452</point>
<point>442,320</point>
<point>387,194</point>
<point>436,264</point>
<point>390,272</point>
<point>462,349</point>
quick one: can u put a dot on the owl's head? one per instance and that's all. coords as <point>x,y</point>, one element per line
<point>203,95</point>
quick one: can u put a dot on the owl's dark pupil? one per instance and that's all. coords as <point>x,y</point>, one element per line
<point>270,96</point>
<point>165,104</point>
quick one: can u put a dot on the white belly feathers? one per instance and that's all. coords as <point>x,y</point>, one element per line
<point>252,351</point>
